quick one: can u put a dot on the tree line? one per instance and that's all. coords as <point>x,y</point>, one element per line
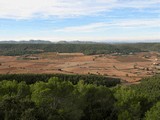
<point>74,79</point>
<point>87,49</point>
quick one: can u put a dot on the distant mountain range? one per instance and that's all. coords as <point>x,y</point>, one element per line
<point>76,42</point>
<point>26,42</point>
<point>46,42</point>
<point>71,42</point>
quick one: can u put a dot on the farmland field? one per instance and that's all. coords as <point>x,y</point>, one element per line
<point>130,68</point>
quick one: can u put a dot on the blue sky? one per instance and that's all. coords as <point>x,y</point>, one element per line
<point>85,20</point>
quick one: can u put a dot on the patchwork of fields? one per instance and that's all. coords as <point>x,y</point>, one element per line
<point>130,68</point>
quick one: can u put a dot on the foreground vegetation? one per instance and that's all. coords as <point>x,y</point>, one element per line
<point>59,99</point>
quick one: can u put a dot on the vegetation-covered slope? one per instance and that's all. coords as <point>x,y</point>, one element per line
<point>89,49</point>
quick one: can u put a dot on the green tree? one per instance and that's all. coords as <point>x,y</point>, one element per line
<point>12,108</point>
<point>97,102</point>
<point>57,96</point>
<point>129,105</point>
<point>14,89</point>
<point>154,112</point>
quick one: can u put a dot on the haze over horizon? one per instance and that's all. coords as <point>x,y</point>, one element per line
<point>83,20</point>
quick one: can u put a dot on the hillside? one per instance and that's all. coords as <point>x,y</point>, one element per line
<point>89,49</point>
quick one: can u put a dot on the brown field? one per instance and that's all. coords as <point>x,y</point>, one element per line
<point>130,68</point>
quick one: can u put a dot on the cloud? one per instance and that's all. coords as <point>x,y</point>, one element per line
<point>138,4</point>
<point>114,24</point>
<point>27,9</point>
<point>138,23</point>
<point>84,28</point>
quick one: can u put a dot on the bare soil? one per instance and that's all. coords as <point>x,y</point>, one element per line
<point>130,68</point>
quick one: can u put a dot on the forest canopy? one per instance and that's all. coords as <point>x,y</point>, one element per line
<point>56,99</point>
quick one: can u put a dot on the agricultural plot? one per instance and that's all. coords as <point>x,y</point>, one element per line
<point>130,68</point>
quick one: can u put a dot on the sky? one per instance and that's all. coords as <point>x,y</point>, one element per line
<point>83,20</point>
